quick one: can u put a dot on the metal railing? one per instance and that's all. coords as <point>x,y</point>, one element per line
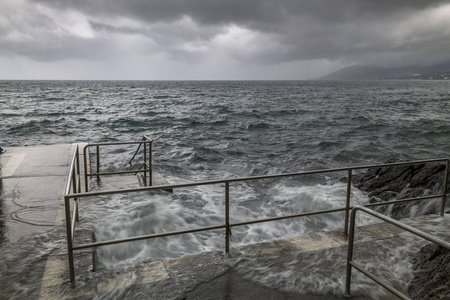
<point>74,183</point>
<point>145,168</point>
<point>351,263</point>
<point>228,225</point>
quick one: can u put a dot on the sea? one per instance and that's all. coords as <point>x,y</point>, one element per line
<point>208,130</point>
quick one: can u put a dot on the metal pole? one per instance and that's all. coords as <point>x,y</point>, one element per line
<point>145,162</point>
<point>69,240</point>
<point>150,158</point>
<point>86,188</point>
<point>98,163</point>
<point>74,182</point>
<point>78,161</point>
<point>74,188</point>
<point>444,193</point>
<point>347,203</point>
<point>350,254</point>
<point>78,170</point>
<point>227,217</point>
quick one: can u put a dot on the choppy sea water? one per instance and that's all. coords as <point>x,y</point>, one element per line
<point>213,130</point>
<point>250,127</point>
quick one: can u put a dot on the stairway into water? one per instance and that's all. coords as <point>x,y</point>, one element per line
<point>304,267</point>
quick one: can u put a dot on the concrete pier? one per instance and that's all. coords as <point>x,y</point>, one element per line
<point>32,183</point>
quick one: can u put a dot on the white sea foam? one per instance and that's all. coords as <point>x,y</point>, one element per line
<point>122,216</point>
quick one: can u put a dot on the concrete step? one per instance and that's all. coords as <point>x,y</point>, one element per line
<point>240,274</point>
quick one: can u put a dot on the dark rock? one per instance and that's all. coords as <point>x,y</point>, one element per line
<point>431,273</point>
<point>402,182</point>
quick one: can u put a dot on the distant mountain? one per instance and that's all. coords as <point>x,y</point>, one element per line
<point>369,72</point>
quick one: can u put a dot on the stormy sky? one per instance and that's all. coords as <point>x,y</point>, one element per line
<point>216,39</point>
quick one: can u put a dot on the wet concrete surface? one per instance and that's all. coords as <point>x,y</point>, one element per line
<point>31,189</point>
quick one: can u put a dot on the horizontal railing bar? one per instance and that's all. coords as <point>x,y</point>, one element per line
<point>116,173</point>
<point>143,189</point>
<point>221,181</point>
<point>330,170</point>
<point>118,143</point>
<point>413,230</point>
<point>144,237</point>
<point>330,211</point>
<point>402,200</point>
<point>398,164</point>
<point>288,217</point>
<point>379,281</point>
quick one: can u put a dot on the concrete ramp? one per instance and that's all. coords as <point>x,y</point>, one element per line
<point>32,183</point>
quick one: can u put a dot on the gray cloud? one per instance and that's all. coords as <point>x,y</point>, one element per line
<point>251,34</point>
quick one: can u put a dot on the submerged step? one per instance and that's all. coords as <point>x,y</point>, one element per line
<point>129,182</point>
<point>303,267</point>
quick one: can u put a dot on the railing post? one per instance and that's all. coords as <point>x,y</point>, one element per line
<point>69,240</point>
<point>78,160</point>
<point>227,217</point>
<point>351,236</point>
<point>150,149</point>
<point>444,193</point>
<point>145,162</point>
<point>98,163</point>
<point>74,189</point>
<point>86,188</point>
<point>347,202</point>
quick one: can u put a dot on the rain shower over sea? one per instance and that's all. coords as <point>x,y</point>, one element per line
<point>205,130</point>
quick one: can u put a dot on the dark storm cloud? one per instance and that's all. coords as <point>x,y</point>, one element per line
<point>250,11</point>
<point>308,29</point>
<point>250,32</point>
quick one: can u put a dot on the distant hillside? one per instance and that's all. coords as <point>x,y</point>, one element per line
<point>368,72</point>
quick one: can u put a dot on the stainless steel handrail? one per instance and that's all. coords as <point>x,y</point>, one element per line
<point>147,161</point>
<point>227,183</point>
<point>351,263</point>
<point>74,183</point>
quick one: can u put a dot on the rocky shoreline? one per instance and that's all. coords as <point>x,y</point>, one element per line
<point>403,182</point>
<point>432,262</point>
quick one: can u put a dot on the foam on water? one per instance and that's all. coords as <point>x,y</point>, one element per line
<point>128,215</point>
<point>323,272</point>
